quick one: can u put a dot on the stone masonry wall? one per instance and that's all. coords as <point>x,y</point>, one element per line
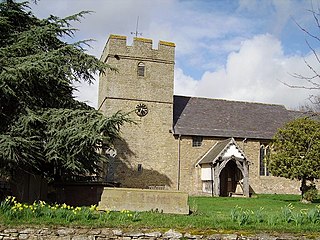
<point>147,153</point>
<point>63,233</point>
<point>156,85</point>
<point>147,142</point>
<point>191,175</point>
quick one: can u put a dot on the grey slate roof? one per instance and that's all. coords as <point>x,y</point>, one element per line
<point>214,152</point>
<point>194,116</point>
<point>218,150</point>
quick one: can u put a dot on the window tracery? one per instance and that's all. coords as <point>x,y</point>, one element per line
<point>264,153</point>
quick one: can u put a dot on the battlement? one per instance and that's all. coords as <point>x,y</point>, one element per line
<point>141,48</point>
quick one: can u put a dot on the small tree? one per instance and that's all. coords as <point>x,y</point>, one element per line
<point>296,152</point>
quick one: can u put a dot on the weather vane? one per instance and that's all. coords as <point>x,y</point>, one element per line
<point>136,32</point>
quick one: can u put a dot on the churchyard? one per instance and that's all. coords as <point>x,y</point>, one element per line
<point>261,213</point>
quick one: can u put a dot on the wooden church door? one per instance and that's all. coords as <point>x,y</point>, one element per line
<point>228,179</point>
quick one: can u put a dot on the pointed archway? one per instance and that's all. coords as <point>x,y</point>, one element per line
<point>229,167</point>
<point>229,177</point>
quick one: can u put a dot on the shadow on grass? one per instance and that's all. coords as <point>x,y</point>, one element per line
<point>286,198</point>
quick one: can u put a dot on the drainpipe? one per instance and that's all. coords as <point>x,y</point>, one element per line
<point>179,161</point>
<point>245,187</point>
<point>243,143</point>
<point>211,179</point>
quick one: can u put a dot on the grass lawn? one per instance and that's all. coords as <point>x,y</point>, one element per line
<point>263,212</point>
<point>271,213</point>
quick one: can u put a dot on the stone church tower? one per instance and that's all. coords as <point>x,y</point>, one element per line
<point>143,86</point>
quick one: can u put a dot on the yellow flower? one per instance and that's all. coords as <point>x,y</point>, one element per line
<point>42,203</point>
<point>93,208</point>
<point>125,211</point>
<point>9,199</point>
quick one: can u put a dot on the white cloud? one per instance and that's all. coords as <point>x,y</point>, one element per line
<point>254,73</point>
<point>215,42</point>
<point>87,93</point>
<point>184,85</point>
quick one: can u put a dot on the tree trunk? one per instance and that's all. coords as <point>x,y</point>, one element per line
<point>303,187</point>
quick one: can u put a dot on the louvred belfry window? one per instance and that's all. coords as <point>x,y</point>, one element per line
<point>141,69</point>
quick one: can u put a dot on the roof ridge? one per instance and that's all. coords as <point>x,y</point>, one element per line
<point>237,101</point>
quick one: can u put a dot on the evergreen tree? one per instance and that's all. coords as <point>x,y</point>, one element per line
<point>43,129</point>
<point>296,152</point>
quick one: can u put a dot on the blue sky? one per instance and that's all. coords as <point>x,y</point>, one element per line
<point>232,49</point>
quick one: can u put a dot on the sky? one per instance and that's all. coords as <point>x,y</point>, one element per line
<point>246,50</point>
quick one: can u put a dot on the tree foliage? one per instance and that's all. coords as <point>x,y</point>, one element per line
<point>296,151</point>
<point>43,129</point>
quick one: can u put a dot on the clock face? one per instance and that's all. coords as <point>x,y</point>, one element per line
<point>141,110</point>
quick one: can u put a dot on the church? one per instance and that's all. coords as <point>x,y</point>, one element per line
<point>196,145</point>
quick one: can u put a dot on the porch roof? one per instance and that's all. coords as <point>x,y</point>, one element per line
<point>218,151</point>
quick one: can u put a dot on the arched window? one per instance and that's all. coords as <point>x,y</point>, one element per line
<point>141,69</point>
<point>264,152</point>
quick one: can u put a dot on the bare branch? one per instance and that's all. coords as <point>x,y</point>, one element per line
<point>299,86</point>
<point>314,14</point>
<point>313,51</point>
<point>296,75</point>
<point>306,31</point>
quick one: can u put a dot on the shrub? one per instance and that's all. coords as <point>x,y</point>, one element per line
<point>311,193</point>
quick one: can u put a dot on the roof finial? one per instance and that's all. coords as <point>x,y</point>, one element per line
<point>136,32</point>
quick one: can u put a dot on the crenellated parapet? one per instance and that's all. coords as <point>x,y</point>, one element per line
<point>141,48</point>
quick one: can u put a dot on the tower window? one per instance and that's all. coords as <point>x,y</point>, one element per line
<point>197,141</point>
<point>141,69</point>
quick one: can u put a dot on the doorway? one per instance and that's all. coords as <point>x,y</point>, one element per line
<point>229,177</point>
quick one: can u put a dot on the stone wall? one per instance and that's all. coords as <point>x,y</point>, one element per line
<point>190,180</point>
<point>107,233</point>
<point>190,176</point>
<point>147,143</point>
